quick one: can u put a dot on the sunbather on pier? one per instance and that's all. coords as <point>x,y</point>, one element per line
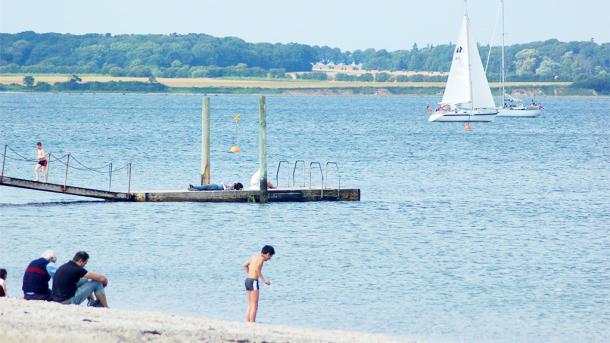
<point>235,186</point>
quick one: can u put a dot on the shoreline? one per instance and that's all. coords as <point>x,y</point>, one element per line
<point>226,86</point>
<point>24,321</point>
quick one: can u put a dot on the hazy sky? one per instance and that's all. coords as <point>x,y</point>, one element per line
<point>355,24</point>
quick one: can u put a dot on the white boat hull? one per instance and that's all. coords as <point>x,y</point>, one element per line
<point>463,116</point>
<point>525,113</point>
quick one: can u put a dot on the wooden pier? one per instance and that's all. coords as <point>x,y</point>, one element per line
<point>285,194</point>
<point>263,193</point>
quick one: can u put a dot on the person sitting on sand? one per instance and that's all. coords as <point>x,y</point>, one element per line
<point>37,276</point>
<point>235,186</point>
<point>41,158</point>
<point>3,289</point>
<point>72,283</point>
<point>254,267</point>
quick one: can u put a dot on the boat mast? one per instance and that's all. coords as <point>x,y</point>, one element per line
<point>503,77</point>
<point>468,52</point>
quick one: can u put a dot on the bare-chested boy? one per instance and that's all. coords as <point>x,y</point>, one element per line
<point>41,158</point>
<point>253,267</point>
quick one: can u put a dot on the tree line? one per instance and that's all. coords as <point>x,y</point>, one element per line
<point>201,55</point>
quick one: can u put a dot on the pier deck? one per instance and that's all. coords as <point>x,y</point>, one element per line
<point>275,195</point>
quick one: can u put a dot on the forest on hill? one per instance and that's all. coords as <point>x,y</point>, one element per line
<point>201,55</point>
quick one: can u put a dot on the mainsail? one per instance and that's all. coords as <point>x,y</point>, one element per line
<point>467,83</point>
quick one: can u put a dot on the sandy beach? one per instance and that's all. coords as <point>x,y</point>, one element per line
<point>34,321</point>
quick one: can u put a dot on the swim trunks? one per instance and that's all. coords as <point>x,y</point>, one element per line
<point>43,163</point>
<point>252,284</point>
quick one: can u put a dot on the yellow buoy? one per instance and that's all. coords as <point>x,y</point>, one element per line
<point>235,149</point>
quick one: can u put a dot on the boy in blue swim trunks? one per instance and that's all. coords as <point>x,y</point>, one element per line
<point>254,267</point>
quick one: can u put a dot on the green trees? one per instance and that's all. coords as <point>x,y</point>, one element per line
<point>200,55</point>
<point>28,81</point>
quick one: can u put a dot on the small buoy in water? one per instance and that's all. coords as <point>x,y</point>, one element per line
<point>468,127</point>
<point>235,149</point>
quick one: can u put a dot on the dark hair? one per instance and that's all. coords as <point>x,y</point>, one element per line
<point>39,143</point>
<point>2,273</point>
<point>268,249</point>
<point>238,186</point>
<point>81,256</point>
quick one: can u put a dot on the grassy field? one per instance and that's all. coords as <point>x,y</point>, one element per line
<point>261,84</point>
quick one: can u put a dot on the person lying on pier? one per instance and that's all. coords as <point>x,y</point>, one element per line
<point>37,276</point>
<point>41,157</point>
<point>255,182</point>
<point>235,186</point>
<point>72,283</point>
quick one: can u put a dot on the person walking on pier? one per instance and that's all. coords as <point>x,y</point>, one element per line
<point>42,162</point>
<point>254,267</point>
<point>37,276</point>
<point>72,283</point>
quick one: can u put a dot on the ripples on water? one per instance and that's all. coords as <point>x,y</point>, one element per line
<point>496,235</point>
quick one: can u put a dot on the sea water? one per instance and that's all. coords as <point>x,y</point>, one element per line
<point>500,234</point>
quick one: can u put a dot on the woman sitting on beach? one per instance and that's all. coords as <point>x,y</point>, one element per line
<point>3,290</point>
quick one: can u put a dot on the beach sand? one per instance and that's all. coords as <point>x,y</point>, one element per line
<point>35,321</point>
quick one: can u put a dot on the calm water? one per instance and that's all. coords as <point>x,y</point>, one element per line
<point>496,235</point>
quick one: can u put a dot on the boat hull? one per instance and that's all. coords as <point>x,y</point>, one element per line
<point>480,116</point>
<point>524,113</point>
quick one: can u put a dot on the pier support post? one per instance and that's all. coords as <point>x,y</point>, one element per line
<point>109,176</point>
<point>262,149</point>
<point>3,162</point>
<point>205,141</point>
<point>66,175</point>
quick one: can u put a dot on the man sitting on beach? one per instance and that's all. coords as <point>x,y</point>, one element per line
<point>235,186</point>
<point>37,276</point>
<point>254,267</point>
<point>73,284</point>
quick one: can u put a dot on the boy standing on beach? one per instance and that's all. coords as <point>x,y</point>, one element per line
<point>254,267</point>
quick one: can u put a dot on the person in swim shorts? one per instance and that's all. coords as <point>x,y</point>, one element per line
<point>254,268</point>
<point>41,156</point>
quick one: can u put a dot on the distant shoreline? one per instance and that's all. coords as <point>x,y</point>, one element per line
<point>266,86</point>
<point>37,321</point>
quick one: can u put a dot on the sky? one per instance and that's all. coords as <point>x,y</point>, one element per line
<point>349,25</point>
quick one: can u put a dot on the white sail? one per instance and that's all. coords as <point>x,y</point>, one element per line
<point>467,83</point>
<point>457,90</point>
<point>481,93</point>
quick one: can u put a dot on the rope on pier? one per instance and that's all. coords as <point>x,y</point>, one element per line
<point>18,154</point>
<point>106,169</point>
<point>99,170</point>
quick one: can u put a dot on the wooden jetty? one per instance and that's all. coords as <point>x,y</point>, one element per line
<point>282,194</point>
<point>263,194</point>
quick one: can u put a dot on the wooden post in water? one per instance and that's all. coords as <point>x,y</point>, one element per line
<point>205,141</point>
<point>3,162</point>
<point>262,149</point>
<point>66,176</point>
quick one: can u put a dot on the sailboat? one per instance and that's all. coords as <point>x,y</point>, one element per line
<point>512,107</point>
<point>467,96</point>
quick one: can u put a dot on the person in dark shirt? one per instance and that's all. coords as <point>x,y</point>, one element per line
<point>37,276</point>
<point>72,283</point>
<point>3,291</point>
